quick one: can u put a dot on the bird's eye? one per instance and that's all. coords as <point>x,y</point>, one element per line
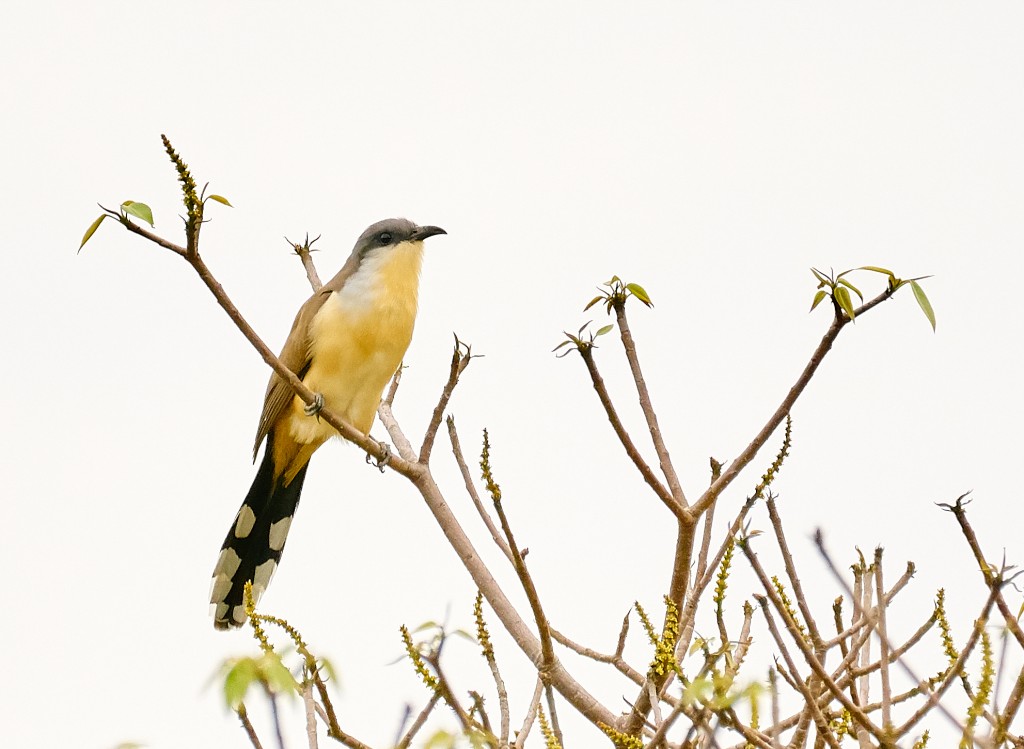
<point>384,238</point>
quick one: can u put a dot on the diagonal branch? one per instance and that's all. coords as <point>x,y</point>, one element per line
<point>459,363</point>
<point>664,459</point>
<point>741,461</point>
<point>645,470</point>
<point>453,435</point>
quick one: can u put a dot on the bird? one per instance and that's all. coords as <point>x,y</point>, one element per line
<point>347,341</point>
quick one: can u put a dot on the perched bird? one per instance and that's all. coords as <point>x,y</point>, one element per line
<point>347,340</point>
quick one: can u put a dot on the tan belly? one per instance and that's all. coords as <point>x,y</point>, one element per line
<point>357,348</point>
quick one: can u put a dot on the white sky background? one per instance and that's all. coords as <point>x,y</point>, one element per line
<point>711,153</point>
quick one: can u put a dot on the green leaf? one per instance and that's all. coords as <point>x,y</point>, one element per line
<point>876,269</point>
<point>922,300</point>
<point>464,635</point>
<point>817,299</point>
<point>441,740</point>
<point>603,330</point>
<point>821,278</point>
<point>853,288</point>
<point>592,302</point>
<point>221,199</point>
<point>842,297</point>
<point>276,675</point>
<point>236,683</point>
<point>91,230</point>
<point>638,291</point>
<point>696,691</point>
<point>139,210</point>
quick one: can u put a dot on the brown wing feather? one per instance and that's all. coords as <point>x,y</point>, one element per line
<point>296,353</point>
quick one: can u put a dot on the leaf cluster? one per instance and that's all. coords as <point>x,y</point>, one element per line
<point>838,288</point>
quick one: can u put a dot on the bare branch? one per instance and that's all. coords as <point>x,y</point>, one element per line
<point>794,579</point>
<point>934,695</point>
<point>809,657</point>
<point>304,251</point>
<point>250,731</point>
<point>473,494</point>
<point>310,706</point>
<point>741,461</point>
<point>531,715</point>
<point>809,700</point>
<point>634,455</point>
<point>418,723</point>
<point>459,363</point>
<point>154,238</point>
<point>883,638</point>
<point>664,459</point>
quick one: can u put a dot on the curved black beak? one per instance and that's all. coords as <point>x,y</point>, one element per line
<point>423,232</point>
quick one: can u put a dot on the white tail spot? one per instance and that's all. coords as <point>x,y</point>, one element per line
<point>227,563</point>
<point>244,522</point>
<point>278,533</point>
<point>219,588</point>
<point>261,579</point>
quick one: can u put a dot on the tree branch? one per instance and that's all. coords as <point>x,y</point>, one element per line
<point>664,459</point>
<point>645,470</point>
<point>741,461</point>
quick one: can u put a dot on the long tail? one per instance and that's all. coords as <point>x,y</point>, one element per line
<point>254,544</point>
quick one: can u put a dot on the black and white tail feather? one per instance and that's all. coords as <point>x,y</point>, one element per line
<point>253,546</point>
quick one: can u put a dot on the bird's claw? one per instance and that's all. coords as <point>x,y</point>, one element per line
<point>380,461</point>
<point>314,408</point>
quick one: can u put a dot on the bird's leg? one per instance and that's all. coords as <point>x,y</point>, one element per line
<point>380,461</point>
<point>314,408</point>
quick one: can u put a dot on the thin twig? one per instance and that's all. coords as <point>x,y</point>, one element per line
<point>809,657</point>
<point>933,695</point>
<point>154,238</point>
<point>794,579</point>
<point>615,659</point>
<point>808,698</point>
<point>396,380</point>
<point>531,715</point>
<point>492,662</point>
<point>556,729</point>
<point>418,723</point>
<point>548,658</point>
<point>954,673</point>
<point>664,459</point>
<point>705,543</point>
<point>459,363</point>
<point>250,731</point>
<point>627,443</point>
<point>751,450</point>
<point>467,477</point>
<point>304,251</point>
<point>1013,703</point>
<point>310,705</point>
<point>693,600</point>
<point>883,639</point>
<point>276,719</point>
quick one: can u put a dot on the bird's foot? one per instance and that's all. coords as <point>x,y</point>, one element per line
<point>314,408</point>
<point>380,461</point>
